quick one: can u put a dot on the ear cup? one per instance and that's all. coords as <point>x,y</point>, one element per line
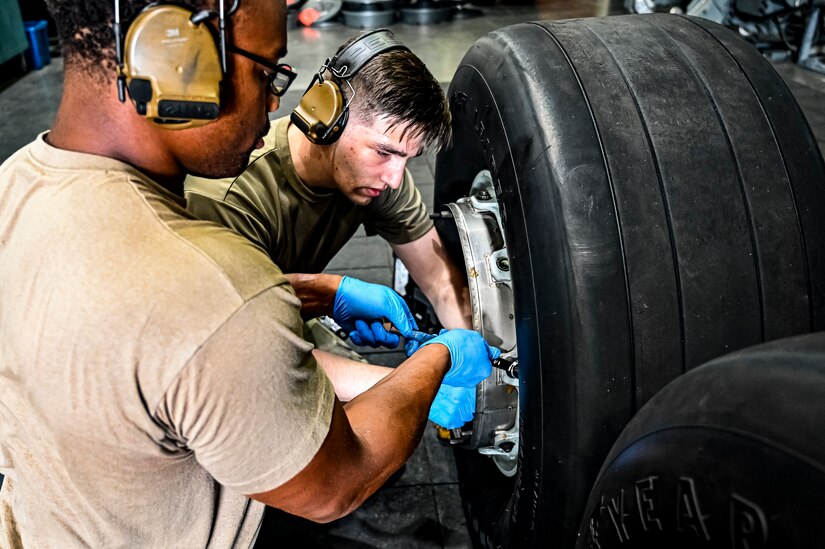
<point>321,114</point>
<point>172,67</point>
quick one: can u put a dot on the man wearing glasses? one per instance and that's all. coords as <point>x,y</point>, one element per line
<point>155,390</point>
<point>301,201</point>
<point>279,76</point>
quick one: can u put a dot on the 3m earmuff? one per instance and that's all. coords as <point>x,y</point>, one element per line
<point>322,114</point>
<point>172,63</point>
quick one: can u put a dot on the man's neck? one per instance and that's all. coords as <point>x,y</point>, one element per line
<point>313,163</point>
<point>92,120</point>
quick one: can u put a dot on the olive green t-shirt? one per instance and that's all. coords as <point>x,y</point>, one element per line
<point>301,228</point>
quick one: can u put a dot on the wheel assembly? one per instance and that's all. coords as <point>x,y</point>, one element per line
<point>477,220</point>
<point>728,455</point>
<point>642,194</point>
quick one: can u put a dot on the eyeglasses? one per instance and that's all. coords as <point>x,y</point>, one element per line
<point>280,77</point>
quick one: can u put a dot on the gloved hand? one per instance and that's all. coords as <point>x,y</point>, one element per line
<point>360,306</point>
<point>415,339</point>
<point>471,356</point>
<point>453,406</point>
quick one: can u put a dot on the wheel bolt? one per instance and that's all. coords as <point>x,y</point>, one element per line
<point>503,263</point>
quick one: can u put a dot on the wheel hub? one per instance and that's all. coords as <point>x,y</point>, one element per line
<point>495,426</point>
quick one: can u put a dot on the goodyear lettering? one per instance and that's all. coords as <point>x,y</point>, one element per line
<point>673,507</point>
<point>615,509</point>
<point>748,527</point>
<point>646,506</point>
<point>593,540</point>
<point>689,516</point>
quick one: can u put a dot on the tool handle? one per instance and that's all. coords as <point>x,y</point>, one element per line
<point>509,366</point>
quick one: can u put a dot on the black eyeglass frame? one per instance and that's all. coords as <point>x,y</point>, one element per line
<point>281,70</point>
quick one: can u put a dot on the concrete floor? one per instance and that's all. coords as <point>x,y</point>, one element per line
<point>421,508</point>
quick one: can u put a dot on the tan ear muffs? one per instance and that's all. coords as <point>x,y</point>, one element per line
<point>321,114</point>
<point>172,67</point>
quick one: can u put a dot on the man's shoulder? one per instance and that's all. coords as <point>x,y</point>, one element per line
<point>214,189</point>
<point>245,265</point>
<point>42,164</point>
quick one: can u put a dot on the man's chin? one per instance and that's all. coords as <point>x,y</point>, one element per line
<point>228,167</point>
<point>360,200</point>
<point>362,197</point>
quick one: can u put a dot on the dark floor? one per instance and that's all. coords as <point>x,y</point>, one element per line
<point>421,508</point>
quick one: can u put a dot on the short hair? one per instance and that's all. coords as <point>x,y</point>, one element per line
<point>396,84</point>
<point>85,29</point>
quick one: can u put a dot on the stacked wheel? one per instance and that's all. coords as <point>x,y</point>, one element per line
<point>728,455</point>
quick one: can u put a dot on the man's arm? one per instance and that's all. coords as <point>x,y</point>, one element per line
<point>357,306</point>
<point>369,438</point>
<point>316,292</point>
<point>349,377</point>
<point>439,279</point>
<point>372,435</point>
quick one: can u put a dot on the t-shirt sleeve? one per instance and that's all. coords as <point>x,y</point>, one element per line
<point>252,404</point>
<point>233,205</point>
<point>399,216</point>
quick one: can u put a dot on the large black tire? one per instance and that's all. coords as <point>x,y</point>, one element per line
<point>729,455</point>
<point>662,197</point>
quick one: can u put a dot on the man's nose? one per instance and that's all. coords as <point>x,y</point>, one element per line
<point>272,103</point>
<point>395,173</point>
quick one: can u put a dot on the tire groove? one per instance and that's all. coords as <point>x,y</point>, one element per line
<point>655,160</point>
<point>616,212</point>
<point>791,189</point>
<point>700,78</point>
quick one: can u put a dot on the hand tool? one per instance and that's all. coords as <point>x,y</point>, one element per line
<point>509,366</point>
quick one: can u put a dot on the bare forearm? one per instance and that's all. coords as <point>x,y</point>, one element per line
<point>439,278</point>
<point>316,292</point>
<point>390,418</point>
<point>369,438</point>
<point>451,302</point>
<point>349,377</point>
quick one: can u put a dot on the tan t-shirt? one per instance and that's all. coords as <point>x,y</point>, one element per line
<point>152,369</point>
<point>301,228</point>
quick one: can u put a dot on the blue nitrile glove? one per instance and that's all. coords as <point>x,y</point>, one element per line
<point>453,406</point>
<point>471,356</point>
<point>357,300</point>
<point>373,334</point>
<point>415,339</point>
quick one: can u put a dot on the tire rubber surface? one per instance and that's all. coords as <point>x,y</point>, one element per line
<point>729,455</point>
<point>661,196</point>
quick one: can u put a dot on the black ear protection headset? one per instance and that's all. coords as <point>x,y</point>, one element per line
<point>171,63</point>
<point>322,114</point>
